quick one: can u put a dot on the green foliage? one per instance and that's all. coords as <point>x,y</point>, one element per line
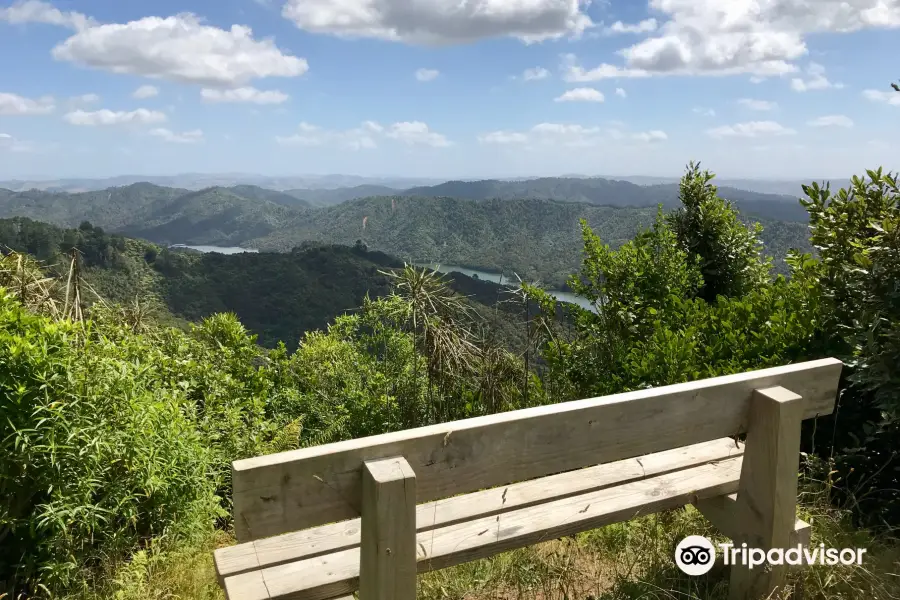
<point>857,234</point>
<point>658,322</point>
<point>709,228</point>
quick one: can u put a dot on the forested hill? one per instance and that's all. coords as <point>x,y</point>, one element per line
<point>278,296</point>
<point>539,239</point>
<point>611,192</point>
<point>536,239</point>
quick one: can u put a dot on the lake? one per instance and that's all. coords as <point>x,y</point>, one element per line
<point>560,295</point>
<point>217,249</point>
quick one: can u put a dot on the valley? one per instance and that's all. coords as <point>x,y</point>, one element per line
<point>528,228</point>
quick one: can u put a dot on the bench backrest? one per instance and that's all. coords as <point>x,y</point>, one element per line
<point>304,488</point>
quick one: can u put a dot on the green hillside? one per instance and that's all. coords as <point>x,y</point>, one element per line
<point>536,239</point>
<point>611,192</point>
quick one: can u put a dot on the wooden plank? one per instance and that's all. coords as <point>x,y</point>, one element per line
<point>721,513</point>
<point>298,545</point>
<point>303,488</point>
<point>334,574</point>
<point>387,569</point>
<point>766,504</point>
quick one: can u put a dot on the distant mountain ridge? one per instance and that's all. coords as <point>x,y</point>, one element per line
<point>527,227</point>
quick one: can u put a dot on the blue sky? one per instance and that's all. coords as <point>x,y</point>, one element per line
<point>448,88</point>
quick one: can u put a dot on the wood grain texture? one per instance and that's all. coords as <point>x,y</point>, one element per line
<point>316,541</point>
<point>387,568</point>
<point>334,574</point>
<point>290,491</point>
<point>721,512</point>
<point>766,505</point>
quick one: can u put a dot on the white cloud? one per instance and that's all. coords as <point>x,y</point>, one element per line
<point>816,80</point>
<point>706,112</point>
<point>650,136</point>
<point>757,104</point>
<point>36,11</point>
<point>645,26</point>
<point>245,94</point>
<point>187,137</point>
<point>760,38</point>
<point>750,129</point>
<point>12,104</point>
<point>416,133</point>
<point>440,22</point>
<point>427,74</point>
<point>581,95</point>
<point>571,135</point>
<point>140,116</point>
<point>575,73</point>
<point>535,74</point>
<point>145,91</point>
<point>363,137</point>
<point>832,121</point>
<point>892,98</point>
<point>180,48</point>
<point>621,93</point>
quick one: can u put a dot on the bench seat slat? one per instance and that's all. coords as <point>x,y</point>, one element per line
<point>334,537</point>
<point>494,450</point>
<point>337,574</point>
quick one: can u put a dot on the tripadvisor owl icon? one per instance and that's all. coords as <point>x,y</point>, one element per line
<point>695,555</point>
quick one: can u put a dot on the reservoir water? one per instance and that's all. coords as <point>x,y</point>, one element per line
<point>560,295</point>
<point>217,249</point>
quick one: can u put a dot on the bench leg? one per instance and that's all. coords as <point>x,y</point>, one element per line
<point>766,505</point>
<point>387,569</point>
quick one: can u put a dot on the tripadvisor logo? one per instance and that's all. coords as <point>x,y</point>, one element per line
<point>695,555</point>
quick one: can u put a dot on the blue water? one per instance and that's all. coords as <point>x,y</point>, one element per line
<point>560,295</point>
<point>217,249</point>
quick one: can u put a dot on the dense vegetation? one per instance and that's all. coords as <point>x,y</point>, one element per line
<point>538,240</point>
<point>277,296</point>
<point>527,228</point>
<point>608,192</point>
<point>118,431</point>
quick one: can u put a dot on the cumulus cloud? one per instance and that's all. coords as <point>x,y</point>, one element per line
<point>750,129</point>
<point>187,137</point>
<point>571,135</point>
<point>363,137</point>
<point>621,93</point>
<point>439,22</point>
<point>107,117</point>
<point>885,97</point>
<point>37,11</point>
<point>832,121</point>
<point>581,95</point>
<point>145,91</point>
<point>535,74</point>
<point>416,133</point>
<point>180,48</point>
<point>427,74</point>
<point>757,104</point>
<point>645,26</point>
<point>575,73</point>
<point>816,80</point>
<point>762,39</point>
<point>249,95</point>
<point>13,105</point>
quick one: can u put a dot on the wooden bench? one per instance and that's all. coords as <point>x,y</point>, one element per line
<point>446,494</point>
